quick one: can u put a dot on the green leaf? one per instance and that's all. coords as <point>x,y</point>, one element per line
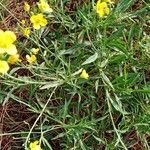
<point>106,80</point>
<point>117,59</point>
<point>116,103</point>
<point>124,5</point>
<point>90,59</point>
<point>52,84</point>
<point>82,145</point>
<point>47,143</point>
<point>99,139</point>
<point>59,136</point>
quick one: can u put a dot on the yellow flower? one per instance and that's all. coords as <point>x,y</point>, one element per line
<point>4,67</point>
<point>102,8</point>
<point>31,59</point>
<point>7,39</point>
<point>11,50</point>
<point>44,7</point>
<point>23,22</point>
<point>35,50</point>
<point>13,59</point>
<point>26,31</point>
<point>35,146</point>
<point>84,74</point>
<point>26,7</point>
<point>38,21</point>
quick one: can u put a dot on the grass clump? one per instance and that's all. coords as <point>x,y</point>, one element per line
<point>82,79</point>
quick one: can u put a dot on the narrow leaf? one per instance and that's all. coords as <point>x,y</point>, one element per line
<point>90,59</point>
<point>52,84</point>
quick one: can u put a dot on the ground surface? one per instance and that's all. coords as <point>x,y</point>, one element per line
<point>111,110</point>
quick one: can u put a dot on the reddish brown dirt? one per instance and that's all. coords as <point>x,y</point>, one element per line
<point>14,117</point>
<point>15,13</point>
<point>131,137</point>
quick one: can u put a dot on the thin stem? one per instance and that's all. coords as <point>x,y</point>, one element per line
<point>26,142</point>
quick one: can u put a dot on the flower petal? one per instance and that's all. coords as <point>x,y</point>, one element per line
<point>4,67</point>
<point>11,50</point>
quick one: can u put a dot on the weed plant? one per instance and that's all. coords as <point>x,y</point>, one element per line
<point>68,111</point>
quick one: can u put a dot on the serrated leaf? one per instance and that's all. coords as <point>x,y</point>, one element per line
<point>90,59</point>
